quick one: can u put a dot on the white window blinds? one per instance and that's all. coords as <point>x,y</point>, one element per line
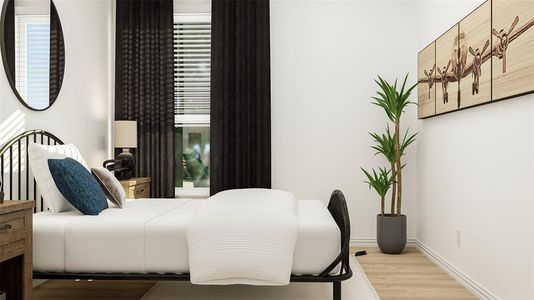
<point>192,62</point>
<point>32,55</point>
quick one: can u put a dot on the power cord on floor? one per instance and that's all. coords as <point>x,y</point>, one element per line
<point>360,253</point>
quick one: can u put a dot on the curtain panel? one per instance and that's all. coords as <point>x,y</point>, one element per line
<point>240,95</point>
<point>144,86</point>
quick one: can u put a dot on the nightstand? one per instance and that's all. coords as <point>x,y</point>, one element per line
<point>16,249</point>
<point>137,187</point>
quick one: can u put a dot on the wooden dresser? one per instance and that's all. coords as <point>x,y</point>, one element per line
<point>137,187</point>
<point>16,249</point>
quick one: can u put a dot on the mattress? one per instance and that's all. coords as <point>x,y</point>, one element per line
<point>148,236</point>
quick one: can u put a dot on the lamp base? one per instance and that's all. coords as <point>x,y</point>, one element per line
<point>126,162</point>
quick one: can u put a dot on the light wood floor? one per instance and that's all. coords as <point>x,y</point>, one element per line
<point>410,275</point>
<point>91,290</point>
<point>407,276</point>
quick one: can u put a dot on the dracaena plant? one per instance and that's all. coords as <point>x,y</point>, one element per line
<point>380,182</point>
<point>393,102</point>
<point>385,145</point>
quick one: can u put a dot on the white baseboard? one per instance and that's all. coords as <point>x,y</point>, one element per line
<point>371,242</point>
<point>471,285</point>
<point>361,242</point>
<point>478,290</point>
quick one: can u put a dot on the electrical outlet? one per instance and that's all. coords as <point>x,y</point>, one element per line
<point>459,238</point>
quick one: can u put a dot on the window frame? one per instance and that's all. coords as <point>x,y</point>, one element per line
<point>191,120</point>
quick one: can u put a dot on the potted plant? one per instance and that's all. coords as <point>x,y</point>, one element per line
<point>391,227</point>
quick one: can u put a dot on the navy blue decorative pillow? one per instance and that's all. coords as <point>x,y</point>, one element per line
<point>78,186</point>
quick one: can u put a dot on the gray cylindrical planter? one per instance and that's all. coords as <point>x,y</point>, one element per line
<point>391,233</point>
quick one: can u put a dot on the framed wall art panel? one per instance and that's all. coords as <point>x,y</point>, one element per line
<point>475,44</point>
<point>513,48</point>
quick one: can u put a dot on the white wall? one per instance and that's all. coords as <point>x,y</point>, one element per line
<point>81,111</point>
<point>325,55</point>
<point>476,170</point>
<point>192,6</point>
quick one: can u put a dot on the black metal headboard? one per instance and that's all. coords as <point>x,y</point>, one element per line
<point>17,179</point>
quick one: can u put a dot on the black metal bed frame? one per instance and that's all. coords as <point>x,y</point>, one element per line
<point>19,146</point>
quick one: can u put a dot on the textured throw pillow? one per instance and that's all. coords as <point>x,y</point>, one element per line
<point>39,156</point>
<point>110,185</point>
<point>78,186</point>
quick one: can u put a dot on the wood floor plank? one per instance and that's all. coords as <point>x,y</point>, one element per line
<point>410,275</point>
<point>91,290</point>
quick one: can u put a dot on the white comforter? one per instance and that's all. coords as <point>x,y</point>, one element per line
<point>243,237</point>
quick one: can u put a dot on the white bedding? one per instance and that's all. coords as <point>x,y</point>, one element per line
<point>148,236</point>
<point>231,229</point>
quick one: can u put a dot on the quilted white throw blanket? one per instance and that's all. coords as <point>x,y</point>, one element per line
<point>243,237</point>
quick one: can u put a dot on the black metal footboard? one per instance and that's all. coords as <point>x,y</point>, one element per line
<point>339,211</point>
<point>19,184</point>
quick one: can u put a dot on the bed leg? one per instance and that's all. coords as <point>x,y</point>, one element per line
<point>337,290</point>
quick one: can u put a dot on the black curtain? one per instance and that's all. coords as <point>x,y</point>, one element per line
<point>144,85</point>
<point>57,54</point>
<point>240,95</point>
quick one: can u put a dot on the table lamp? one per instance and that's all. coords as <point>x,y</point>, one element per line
<point>125,137</point>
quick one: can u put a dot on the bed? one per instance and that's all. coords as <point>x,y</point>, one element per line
<point>148,236</point>
<point>146,239</point>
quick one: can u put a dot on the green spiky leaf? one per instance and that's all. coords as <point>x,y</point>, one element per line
<point>379,181</point>
<point>393,102</point>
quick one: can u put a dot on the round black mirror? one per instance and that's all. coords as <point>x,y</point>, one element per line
<point>33,51</point>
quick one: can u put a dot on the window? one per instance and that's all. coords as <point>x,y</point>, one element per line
<point>192,60</point>
<point>32,56</point>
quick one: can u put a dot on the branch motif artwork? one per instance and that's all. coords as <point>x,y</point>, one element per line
<point>427,91</point>
<point>502,43</point>
<point>477,66</point>
<point>488,56</point>
<point>429,75</point>
<point>445,82</point>
<point>449,62</point>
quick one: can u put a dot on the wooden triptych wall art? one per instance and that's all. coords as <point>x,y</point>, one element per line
<point>488,56</point>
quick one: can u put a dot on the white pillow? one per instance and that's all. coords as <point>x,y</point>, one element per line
<point>39,156</point>
<point>110,185</point>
